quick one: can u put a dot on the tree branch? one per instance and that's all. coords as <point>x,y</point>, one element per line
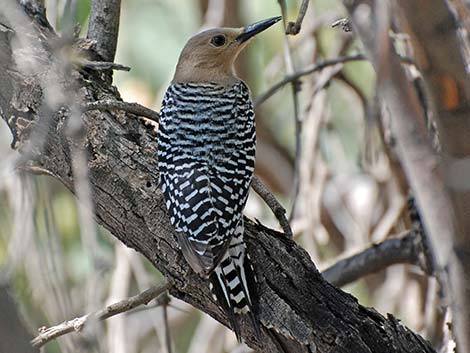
<point>134,108</point>
<point>273,204</point>
<point>306,71</point>
<point>312,69</point>
<point>294,302</point>
<point>102,65</point>
<point>293,28</point>
<point>344,23</point>
<point>103,27</point>
<point>295,85</point>
<point>77,324</point>
<point>399,250</point>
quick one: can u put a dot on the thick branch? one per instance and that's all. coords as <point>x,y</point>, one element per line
<point>103,27</point>
<point>400,250</point>
<point>298,310</point>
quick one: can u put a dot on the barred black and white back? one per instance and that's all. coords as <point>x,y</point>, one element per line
<point>206,158</point>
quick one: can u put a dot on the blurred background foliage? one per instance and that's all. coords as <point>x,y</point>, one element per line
<point>349,192</point>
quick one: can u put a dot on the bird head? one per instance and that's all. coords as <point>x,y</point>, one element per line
<point>209,56</point>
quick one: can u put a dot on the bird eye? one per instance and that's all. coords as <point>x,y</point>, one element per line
<point>218,41</point>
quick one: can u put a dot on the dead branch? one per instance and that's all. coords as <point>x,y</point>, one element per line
<point>101,65</point>
<point>120,307</point>
<point>133,108</point>
<point>295,85</point>
<point>273,204</point>
<point>396,250</point>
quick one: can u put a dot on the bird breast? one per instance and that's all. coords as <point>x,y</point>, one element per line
<point>208,122</point>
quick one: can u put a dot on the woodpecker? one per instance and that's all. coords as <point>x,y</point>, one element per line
<point>206,158</point>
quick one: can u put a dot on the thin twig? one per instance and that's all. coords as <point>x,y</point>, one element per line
<point>35,169</point>
<point>101,65</point>
<point>306,71</point>
<point>344,23</point>
<point>295,84</point>
<point>268,197</point>
<point>400,250</point>
<point>293,28</point>
<point>167,323</point>
<point>122,306</point>
<point>314,68</point>
<point>134,108</point>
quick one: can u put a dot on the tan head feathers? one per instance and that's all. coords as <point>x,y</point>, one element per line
<point>209,56</point>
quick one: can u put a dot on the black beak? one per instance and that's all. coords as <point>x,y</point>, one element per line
<point>255,28</point>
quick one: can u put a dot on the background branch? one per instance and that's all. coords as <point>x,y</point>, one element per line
<point>293,28</point>
<point>306,71</point>
<point>399,250</point>
<point>295,85</point>
<point>77,324</point>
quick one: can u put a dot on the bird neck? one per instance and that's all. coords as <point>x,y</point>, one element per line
<point>204,72</point>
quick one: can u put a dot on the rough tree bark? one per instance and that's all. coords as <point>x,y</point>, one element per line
<point>299,310</point>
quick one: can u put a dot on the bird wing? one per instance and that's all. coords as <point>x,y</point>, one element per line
<point>192,212</point>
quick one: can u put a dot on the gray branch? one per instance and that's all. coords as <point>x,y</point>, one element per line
<point>268,197</point>
<point>399,250</point>
<point>293,28</point>
<point>306,71</point>
<point>77,324</point>
<point>103,27</point>
<point>134,108</point>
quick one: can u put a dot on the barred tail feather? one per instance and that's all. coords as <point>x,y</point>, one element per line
<point>233,284</point>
